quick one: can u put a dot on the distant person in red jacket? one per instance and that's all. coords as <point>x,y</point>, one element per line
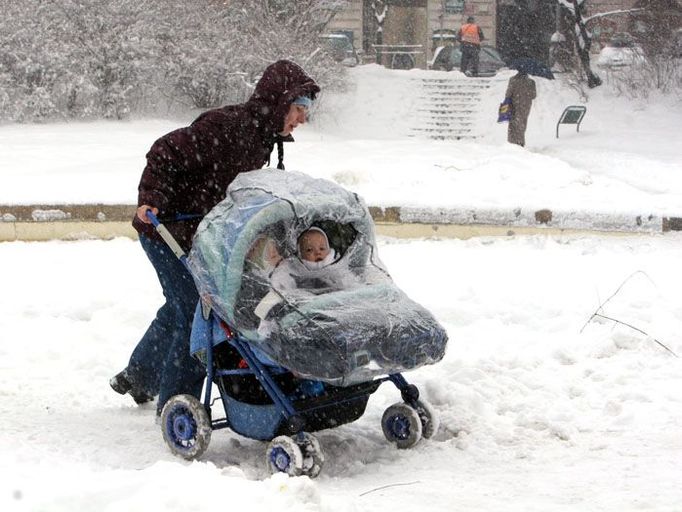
<point>188,171</point>
<point>470,37</point>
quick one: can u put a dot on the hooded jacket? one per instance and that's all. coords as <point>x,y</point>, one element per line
<point>188,170</point>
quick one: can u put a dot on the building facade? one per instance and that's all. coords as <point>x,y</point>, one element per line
<point>413,28</point>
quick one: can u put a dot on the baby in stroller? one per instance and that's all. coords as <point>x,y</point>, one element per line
<point>314,250</point>
<point>332,339</point>
<point>299,272</point>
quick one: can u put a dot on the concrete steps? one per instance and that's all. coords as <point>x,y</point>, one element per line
<point>448,107</point>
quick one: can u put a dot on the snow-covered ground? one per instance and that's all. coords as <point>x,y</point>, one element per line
<point>539,411</point>
<point>535,414</point>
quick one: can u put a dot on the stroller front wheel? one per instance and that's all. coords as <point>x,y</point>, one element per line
<point>186,426</point>
<point>401,425</point>
<point>429,418</point>
<point>284,456</point>
<point>313,458</point>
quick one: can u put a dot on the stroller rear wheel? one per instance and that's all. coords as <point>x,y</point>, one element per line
<point>186,426</point>
<point>401,425</point>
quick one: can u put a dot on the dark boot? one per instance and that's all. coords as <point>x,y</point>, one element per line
<point>122,385</point>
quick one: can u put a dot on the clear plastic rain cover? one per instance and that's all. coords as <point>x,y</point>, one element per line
<point>291,263</point>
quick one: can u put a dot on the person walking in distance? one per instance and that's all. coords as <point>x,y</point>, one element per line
<point>470,36</point>
<point>187,174</point>
<point>521,90</point>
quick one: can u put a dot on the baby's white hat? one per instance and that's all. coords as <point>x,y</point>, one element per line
<point>319,230</point>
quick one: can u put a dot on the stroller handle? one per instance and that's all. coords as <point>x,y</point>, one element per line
<point>152,218</point>
<point>167,237</point>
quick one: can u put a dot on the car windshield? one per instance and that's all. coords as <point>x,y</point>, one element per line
<point>449,54</point>
<point>621,41</point>
<point>454,56</point>
<point>490,55</point>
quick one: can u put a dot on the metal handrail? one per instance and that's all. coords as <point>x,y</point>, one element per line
<point>409,49</point>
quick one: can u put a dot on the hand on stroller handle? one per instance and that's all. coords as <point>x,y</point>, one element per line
<point>165,234</point>
<point>144,210</point>
<point>149,215</point>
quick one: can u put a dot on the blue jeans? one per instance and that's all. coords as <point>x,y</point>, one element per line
<point>161,362</point>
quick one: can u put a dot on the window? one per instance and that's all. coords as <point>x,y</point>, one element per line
<point>454,6</point>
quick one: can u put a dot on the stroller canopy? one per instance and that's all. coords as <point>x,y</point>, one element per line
<point>342,320</point>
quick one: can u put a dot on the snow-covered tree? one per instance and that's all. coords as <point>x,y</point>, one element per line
<point>109,45</point>
<point>28,67</point>
<point>582,37</point>
<point>273,29</point>
<point>110,58</point>
<point>653,22</point>
<point>380,10</point>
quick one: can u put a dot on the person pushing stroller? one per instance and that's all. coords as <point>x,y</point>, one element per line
<point>187,172</point>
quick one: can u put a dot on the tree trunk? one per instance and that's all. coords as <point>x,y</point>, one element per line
<point>583,38</point>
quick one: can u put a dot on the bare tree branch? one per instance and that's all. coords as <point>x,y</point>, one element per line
<point>597,313</point>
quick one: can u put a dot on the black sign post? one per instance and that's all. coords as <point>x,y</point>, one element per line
<point>572,114</point>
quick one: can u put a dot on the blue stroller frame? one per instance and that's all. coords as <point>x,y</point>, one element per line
<point>310,410</point>
<point>288,416</point>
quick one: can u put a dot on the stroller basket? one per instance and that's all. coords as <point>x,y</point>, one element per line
<point>334,406</point>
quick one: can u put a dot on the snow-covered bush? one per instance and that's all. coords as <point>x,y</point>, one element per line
<point>114,58</point>
<point>655,74</point>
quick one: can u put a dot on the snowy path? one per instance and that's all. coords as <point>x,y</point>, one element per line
<point>535,416</point>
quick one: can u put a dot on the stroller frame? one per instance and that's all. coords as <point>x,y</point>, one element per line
<point>286,407</point>
<point>187,423</point>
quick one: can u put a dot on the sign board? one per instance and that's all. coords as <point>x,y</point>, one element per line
<point>572,114</point>
<point>454,6</point>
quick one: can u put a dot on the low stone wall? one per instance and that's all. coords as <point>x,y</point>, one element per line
<point>65,222</point>
<point>99,221</point>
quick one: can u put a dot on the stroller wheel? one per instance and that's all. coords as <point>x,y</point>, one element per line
<point>284,456</point>
<point>186,426</point>
<point>401,425</point>
<point>313,458</point>
<point>428,417</point>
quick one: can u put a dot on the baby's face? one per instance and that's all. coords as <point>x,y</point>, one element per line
<point>313,246</point>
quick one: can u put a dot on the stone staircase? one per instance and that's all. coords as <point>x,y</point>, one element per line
<point>449,107</point>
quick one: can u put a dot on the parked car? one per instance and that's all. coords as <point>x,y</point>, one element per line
<point>447,58</point>
<point>340,48</point>
<point>621,51</point>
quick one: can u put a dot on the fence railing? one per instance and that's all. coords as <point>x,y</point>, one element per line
<point>399,56</point>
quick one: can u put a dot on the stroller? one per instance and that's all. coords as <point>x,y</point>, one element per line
<point>288,362</point>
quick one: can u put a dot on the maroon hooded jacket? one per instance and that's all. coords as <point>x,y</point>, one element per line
<point>188,170</point>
